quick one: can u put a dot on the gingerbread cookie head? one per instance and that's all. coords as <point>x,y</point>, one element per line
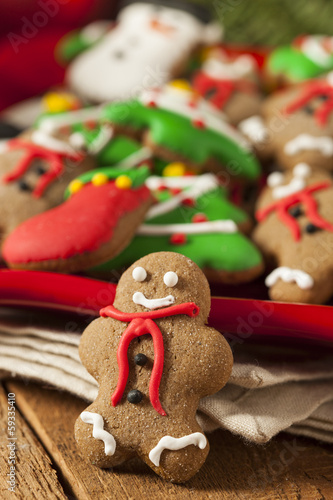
<point>230,83</point>
<point>150,44</point>
<point>296,125</point>
<point>295,231</point>
<point>154,358</point>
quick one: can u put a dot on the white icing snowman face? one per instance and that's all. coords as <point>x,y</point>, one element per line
<point>170,279</point>
<point>139,53</point>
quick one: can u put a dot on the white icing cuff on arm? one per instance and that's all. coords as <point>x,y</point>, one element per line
<point>288,275</point>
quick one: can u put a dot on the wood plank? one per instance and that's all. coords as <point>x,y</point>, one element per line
<point>35,477</point>
<point>286,468</point>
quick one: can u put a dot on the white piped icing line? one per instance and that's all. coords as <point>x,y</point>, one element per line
<point>179,101</point>
<point>198,186</point>
<point>140,299</point>
<point>46,141</point>
<point>313,47</point>
<point>232,70</point>
<point>139,274</point>
<point>174,444</point>
<point>254,128</point>
<point>298,182</point>
<point>215,226</point>
<point>307,142</point>
<point>170,279</point>
<point>51,124</point>
<point>98,431</point>
<point>302,279</point>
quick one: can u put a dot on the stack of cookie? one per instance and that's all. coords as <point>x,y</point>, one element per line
<point>128,160</point>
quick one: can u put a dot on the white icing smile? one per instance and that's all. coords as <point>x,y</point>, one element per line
<point>298,182</point>
<point>140,299</point>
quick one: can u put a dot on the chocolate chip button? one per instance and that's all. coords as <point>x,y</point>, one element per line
<point>296,212</point>
<point>140,359</point>
<point>134,397</point>
<point>23,186</point>
<point>40,170</point>
<point>311,228</point>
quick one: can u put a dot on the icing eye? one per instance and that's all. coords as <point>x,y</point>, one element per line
<point>275,179</point>
<point>139,274</point>
<point>170,278</point>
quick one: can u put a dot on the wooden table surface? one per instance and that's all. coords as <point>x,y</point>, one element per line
<point>49,465</point>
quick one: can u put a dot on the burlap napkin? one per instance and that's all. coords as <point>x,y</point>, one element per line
<point>272,388</point>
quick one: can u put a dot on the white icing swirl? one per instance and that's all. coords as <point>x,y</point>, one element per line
<point>140,299</point>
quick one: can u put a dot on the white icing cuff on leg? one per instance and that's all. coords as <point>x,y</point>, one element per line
<point>98,431</point>
<point>288,275</point>
<point>174,444</point>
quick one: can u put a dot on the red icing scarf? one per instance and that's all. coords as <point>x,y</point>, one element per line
<point>311,91</point>
<point>140,324</point>
<point>33,151</point>
<point>282,206</point>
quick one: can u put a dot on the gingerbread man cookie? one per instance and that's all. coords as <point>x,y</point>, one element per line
<point>231,84</point>
<point>35,169</point>
<point>295,230</point>
<point>154,358</point>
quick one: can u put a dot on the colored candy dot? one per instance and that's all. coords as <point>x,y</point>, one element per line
<point>134,397</point>
<point>181,85</point>
<point>178,239</point>
<point>139,274</point>
<point>174,169</point>
<point>296,212</point>
<point>175,191</point>
<point>123,182</point>
<point>140,359</point>
<point>56,102</point>
<point>75,186</point>
<point>188,202</point>
<point>99,179</point>
<point>162,187</point>
<point>199,123</point>
<point>199,218</point>
<point>170,279</point>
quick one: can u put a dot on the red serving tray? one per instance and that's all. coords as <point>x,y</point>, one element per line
<point>242,318</point>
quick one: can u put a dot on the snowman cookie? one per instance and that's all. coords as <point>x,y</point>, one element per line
<point>35,169</point>
<point>204,139</point>
<point>154,358</point>
<point>296,125</point>
<point>231,84</point>
<point>195,218</point>
<point>99,219</point>
<point>150,44</point>
<point>295,231</point>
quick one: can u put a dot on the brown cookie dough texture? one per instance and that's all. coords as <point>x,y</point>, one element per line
<point>305,265</point>
<point>293,135</point>
<point>17,200</point>
<point>197,362</point>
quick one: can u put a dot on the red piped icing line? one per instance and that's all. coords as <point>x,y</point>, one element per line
<point>311,209</point>
<point>142,323</point>
<point>33,151</point>
<point>223,89</point>
<point>311,91</point>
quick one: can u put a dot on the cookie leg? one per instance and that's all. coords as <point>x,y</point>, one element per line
<point>178,459</point>
<point>96,441</point>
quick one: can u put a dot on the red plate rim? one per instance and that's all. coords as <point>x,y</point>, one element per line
<point>240,318</point>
